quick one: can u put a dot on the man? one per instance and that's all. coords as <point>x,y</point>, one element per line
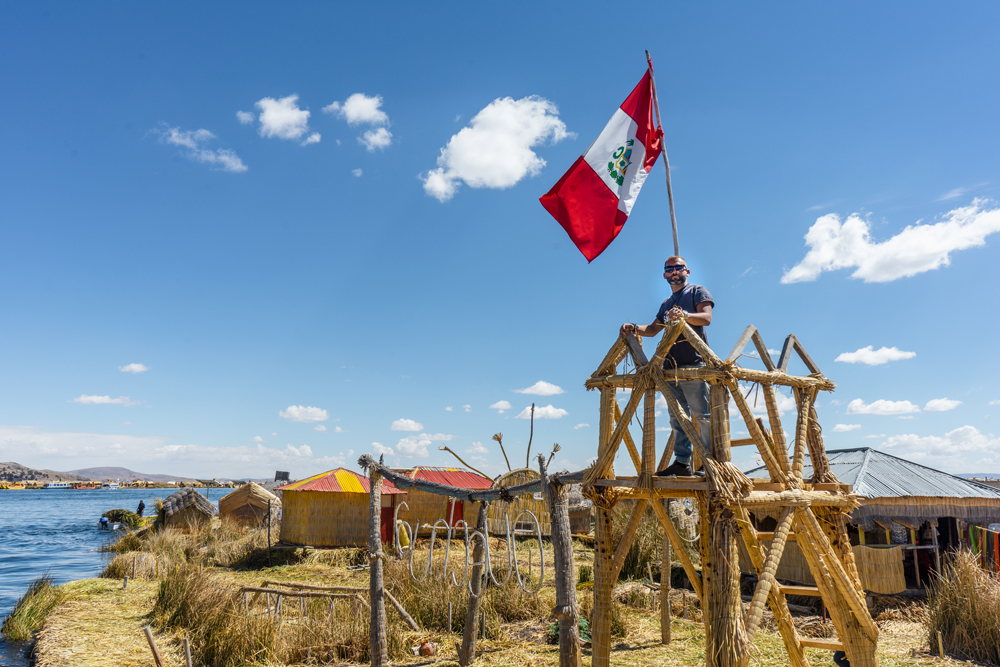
<point>141,508</point>
<point>692,303</point>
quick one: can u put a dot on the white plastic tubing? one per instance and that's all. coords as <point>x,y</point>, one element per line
<point>470,537</point>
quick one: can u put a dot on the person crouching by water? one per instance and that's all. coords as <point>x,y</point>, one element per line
<point>141,508</point>
<point>692,303</point>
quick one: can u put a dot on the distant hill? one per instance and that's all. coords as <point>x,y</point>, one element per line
<point>15,472</point>
<point>126,474</point>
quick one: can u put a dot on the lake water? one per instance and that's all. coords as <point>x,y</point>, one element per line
<point>55,531</point>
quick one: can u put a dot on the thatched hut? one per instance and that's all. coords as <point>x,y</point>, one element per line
<point>249,504</point>
<point>423,509</point>
<point>331,510</point>
<point>500,513</point>
<point>187,510</point>
<point>909,514</point>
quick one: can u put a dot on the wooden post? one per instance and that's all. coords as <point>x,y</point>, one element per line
<point>566,610</point>
<point>666,568</point>
<point>152,646</point>
<point>376,594</point>
<point>666,163</point>
<point>600,622</point>
<point>269,532</point>
<point>724,609</point>
<point>467,653</point>
<point>187,652</point>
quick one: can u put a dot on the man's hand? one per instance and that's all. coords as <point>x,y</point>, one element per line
<point>675,314</point>
<point>627,328</point>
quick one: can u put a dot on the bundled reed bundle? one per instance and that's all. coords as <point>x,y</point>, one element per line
<point>880,569</point>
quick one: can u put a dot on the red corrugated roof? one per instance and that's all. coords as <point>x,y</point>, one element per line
<point>339,481</point>
<point>458,477</point>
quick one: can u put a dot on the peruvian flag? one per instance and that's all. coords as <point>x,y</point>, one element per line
<point>593,199</point>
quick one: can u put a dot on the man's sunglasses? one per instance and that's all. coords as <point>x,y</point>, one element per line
<point>673,267</point>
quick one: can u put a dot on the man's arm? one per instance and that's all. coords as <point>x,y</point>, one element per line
<point>702,316</point>
<point>641,329</point>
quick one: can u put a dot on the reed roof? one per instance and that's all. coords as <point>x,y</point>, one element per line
<point>185,498</point>
<point>249,494</point>
<point>339,480</point>
<point>460,477</point>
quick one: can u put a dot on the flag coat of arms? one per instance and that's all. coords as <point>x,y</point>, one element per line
<point>593,199</point>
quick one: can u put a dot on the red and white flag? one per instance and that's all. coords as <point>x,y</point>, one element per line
<point>593,199</point>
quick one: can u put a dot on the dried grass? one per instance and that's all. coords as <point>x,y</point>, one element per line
<point>964,606</point>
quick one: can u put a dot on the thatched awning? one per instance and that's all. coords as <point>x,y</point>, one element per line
<point>186,498</point>
<point>251,494</point>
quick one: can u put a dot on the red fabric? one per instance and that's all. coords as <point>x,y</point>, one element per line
<point>996,552</point>
<point>639,105</point>
<point>586,208</point>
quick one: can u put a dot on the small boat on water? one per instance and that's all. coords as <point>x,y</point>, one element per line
<point>111,485</point>
<point>57,485</point>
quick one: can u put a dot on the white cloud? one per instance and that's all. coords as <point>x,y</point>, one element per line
<point>302,413</point>
<point>134,368</point>
<point>359,109</point>
<point>843,428</point>
<point>193,140</point>
<point>282,118</point>
<point>773,352</point>
<point>880,407</point>
<point>467,407</point>
<point>379,138</point>
<point>541,388</point>
<point>941,405</point>
<point>337,429</point>
<point>869,355</point>
<point>380,449</point>
<point>320,428</point>
<point>494,150</point>
<point>415,446</point>
<point>357,172</point>
<point>313,138</point>
<point>406,425</point>
<point>86,399</point>
<point>257,438</point>
<point>245,117</point>
<point>478,449</point>
<point>995,401</point>
<point>954,193</point>
<point>879,435</point>
<point>547,412</point>
<point>449,409</point>
<point>962,450</point>
<point>500,406</point>
<point>916,249</point>
<point>578,426</point>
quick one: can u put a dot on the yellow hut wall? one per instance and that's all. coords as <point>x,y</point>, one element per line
<point>324,519</point>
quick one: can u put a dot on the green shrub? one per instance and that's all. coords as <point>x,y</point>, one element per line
<point>32,609</point>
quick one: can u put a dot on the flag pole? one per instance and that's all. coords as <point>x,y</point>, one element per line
<point>666,162</point>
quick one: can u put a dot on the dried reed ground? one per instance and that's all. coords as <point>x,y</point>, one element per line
<point>99,624</point>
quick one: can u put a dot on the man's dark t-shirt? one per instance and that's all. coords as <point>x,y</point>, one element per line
<point>688,298</point>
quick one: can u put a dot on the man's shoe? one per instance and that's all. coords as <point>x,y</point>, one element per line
<point>676,469</point>
<point>700,472</point>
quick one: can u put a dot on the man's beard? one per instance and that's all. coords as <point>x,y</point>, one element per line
<point>675,279</point>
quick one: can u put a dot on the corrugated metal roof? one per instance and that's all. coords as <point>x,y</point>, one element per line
<point>875,474</point>
<point>339,481</point>
<point>458,477</point>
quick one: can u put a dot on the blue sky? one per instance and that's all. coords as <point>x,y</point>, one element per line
<point>307,266</point>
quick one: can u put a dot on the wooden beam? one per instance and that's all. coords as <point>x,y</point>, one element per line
<point>665,483</point>
<point>801,435</point>
<point>765,356</point>
<point>678,544</point>
<point>796,498</point>
<point>741,344</point>
<point>710,357</point>
<point>621,551</point>
<point>757,435</point>
<point>604,461</point>
<point>811,591</point>
<point>629,443</point>
<point>766,579</point>
<point>786,354</point>
<point>612,358</point>
<point>823,644</point>
<point>806,359</point>
<point>715,374</point>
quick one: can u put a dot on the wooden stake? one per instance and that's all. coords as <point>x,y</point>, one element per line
<point>666,568</point>
<point>152,646</point>
<point>187,652</point>
<point>666,162</point>
<point>377,631</point>
<point>467,652</point>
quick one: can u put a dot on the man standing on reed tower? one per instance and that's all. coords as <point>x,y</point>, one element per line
<point>692,303</point>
